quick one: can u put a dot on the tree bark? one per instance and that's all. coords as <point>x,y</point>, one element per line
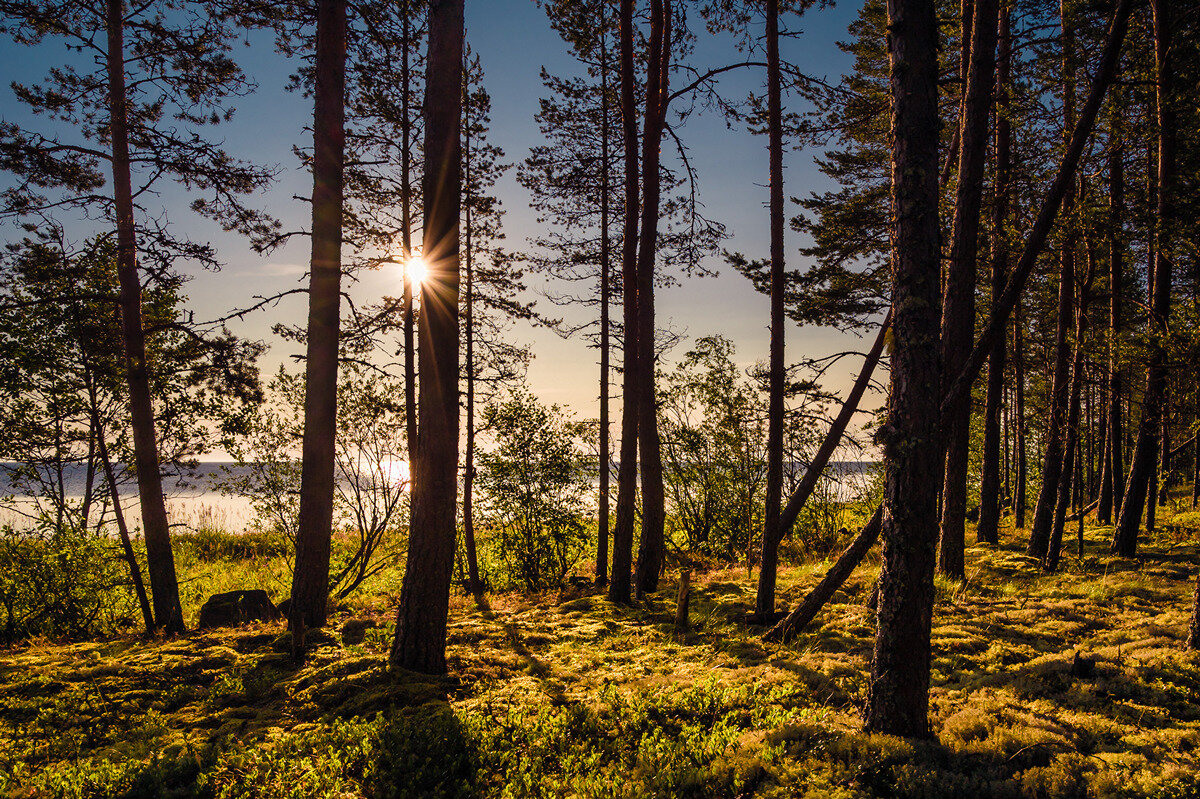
<point>160,561</point>
<point>1146,450</point>
<point>620,586</point>
<point>898,695</point>
<point>958,308</point>
<point>602,522</point>
<point>1043,514</point>
<point>1114,468</point>
<point>988,528</point>
<point>1021,457</point>
<point>468,325</point>
<point>420,642</point>
<point>310,580</point>
<point>410,358</point>
<point>764,606</point>
<point>1071,461</point>
<point>651,546</point>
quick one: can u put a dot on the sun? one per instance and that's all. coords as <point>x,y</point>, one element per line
<point>417,270</point>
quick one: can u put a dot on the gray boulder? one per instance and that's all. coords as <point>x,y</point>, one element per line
<point>237,607</point>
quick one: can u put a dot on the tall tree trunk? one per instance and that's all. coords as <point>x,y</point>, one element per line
<point>310,580</point>
<point>765,601</point>
<point>988,529</point>
<point>651,546</point>
<point>602,522</point>
<point>898,695</point>
<point>159,559</point>
<point>1145,451</point>
<point>1114,468</point>
<point>958,309</point>
<point>1043,514</point>
<point>1060,392</point>
<point>1071,462</point>
<point>420,643</point>
<point>468,326</point>
<point>1021,467</point>
<point>410,359</point>
<point>620,586</point>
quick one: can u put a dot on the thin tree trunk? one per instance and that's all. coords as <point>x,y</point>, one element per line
<point>164,586</point>
<point>651,546</point>
<point>1111,487</point>
<point>468,325</point>
<point>420,642</point>
<point>765,601</point>
<point>310,580</point>
<point>135,570</point>
<point>1060,393</point>
<point>988,528</point>
<point>620,586</point>
<point>1021,456</point>
<point>833,437</point>
<point>1071,463</point>
<point>898,694</point>
<point>602,522</point>
<point>1146,450</point>
<point>958,309</point>
<point>410,360</point>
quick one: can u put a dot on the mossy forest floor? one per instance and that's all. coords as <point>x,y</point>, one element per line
<point>567,695</point>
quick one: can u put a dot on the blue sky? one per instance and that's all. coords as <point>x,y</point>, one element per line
<point>514,41</point>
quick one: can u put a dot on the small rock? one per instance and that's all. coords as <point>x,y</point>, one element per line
<point>354,631</point>
<point>237,607</point>
<point>1083,667</point>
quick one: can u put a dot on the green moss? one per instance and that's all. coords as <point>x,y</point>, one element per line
<point>552,696</point>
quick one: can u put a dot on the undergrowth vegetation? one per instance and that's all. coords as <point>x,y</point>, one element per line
<point>563,694</point>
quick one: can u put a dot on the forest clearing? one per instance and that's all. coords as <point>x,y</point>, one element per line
<point>1065,685</point>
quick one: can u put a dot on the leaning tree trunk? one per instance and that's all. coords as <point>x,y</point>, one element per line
<point>1145,451</point>
<point>420,642</point>
<point>652,544</point>
<point>958,312</point>
<point>988,528</point>
<point>310,580</point>
<point>764,606</point>
<point>620,585</point>
<point>160,561</point>
<point>135,570</point>
<point>898,695</point>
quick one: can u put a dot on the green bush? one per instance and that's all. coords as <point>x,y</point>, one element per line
<point>532,485</point>
<point>61,582</point>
